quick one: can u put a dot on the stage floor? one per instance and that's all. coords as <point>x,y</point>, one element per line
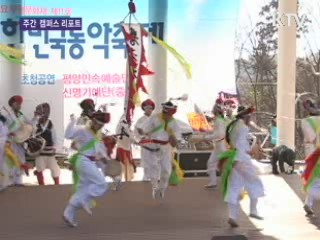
<point>188,212</point>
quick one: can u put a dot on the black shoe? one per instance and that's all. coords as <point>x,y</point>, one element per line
<point>211,186</point>
<point>19,185</point>
<point>308,210</point>
<point>69,222</point>
<point>255,216</point>
<point>233,223</point>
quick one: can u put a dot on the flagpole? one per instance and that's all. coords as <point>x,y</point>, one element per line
<point>286,85</point>
<point>157,83</point>
<point>127,90</point>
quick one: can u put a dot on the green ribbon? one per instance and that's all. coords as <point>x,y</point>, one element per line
<point>183,62</point>
<point>312,124</point>
<point>74,161</point>
<point>315,175</point>
<point>228,156</point>
<point>158,128</point>
<point>162,126</point>
<point>12,59</point>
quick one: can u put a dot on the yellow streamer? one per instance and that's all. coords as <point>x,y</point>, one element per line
<point>185,65</point>
<point>136,99</point>
<point>178,170</point>
<point>17,53</point>
<point>12,156</point>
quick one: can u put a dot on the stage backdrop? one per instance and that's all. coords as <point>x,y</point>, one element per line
<point>65,67</point>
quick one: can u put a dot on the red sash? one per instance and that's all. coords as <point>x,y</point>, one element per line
<point>311,162</point>
<point>161,142</point>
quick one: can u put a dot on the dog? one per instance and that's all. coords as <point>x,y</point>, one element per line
<point>280,155</point>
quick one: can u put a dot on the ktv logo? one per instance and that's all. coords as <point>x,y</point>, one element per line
<point>288,20</point>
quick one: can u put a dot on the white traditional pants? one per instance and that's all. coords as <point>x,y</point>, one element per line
<point>146,163</point>
<point>44,162</point>
<point>313,193</point>
<point>212,168</point>
<point>161,164</point>
<point>4,171</point>
<point>244,176</point>
<point>92,183</point>
<point>309,148</point>
<point>4,177</point>
<point>16,173</point>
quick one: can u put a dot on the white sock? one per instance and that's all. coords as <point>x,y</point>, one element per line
<point>234,210</point>
<point>253,206</point>
<point>70,212</point>
<point>308,201</point>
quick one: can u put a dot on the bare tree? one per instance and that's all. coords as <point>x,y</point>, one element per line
<point>256,65</point>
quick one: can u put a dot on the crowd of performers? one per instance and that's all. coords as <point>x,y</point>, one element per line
<point>21,136</point>
<point>233,158</point>
<point>157,134</point>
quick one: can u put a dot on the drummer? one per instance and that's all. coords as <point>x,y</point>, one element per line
<point>46,159</point>
<point>17,123</point>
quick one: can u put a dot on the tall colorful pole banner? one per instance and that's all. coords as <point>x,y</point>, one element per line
<point>136,66</point>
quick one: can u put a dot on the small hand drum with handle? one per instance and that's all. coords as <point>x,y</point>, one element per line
<point>34,145</point>
<point>23,133</point>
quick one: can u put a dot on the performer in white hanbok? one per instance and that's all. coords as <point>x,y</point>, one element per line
<point>239,173</point>
<point>311,176</point>
<point>4,171</point>
<point>308,126</point>
<point>218,137</point>
<point>148,107</point>
<point>230,108</point>
<point>162,130</point>
<point>89,181</point>
<point>311,179</point>
<point>20,129</point>
<point>124,148</point>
